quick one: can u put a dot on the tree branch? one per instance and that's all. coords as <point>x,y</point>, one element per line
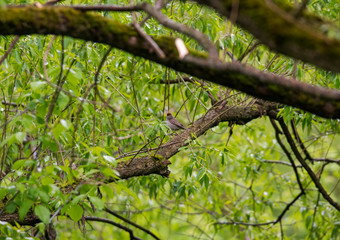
<point>104,220</point>
<point>157,163</point>
<point>299,38</point>
<point>306,167</point>
<point>66,21</point>
<point>131,223</point>
<point>265,223</point>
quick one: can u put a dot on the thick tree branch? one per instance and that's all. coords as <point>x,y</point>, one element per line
<point>278,28</point>
<point>93,27</point>
<point>157,163</point>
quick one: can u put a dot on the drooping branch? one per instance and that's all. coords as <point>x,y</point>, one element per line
<point>281,30</point>
<point>93,27</point>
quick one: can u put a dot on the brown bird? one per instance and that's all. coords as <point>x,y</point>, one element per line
<point>173,123</point>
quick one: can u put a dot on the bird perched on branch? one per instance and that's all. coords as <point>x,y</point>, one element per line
<point>173,123</point>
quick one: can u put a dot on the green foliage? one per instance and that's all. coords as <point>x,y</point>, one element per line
<point>62,164</point>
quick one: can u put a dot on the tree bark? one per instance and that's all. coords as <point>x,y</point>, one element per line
<point>281,30</point>
<point>93,27</point>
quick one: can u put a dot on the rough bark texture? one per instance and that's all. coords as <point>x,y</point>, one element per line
<point>277,27</point>
<point>93,27</point>
<point>157,162</point>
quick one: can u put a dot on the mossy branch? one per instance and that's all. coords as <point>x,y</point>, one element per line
<point>278,27</point>
<point>93,27</point>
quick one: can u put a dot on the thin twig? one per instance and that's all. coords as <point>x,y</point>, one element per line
<point>104,220</point>
<point>133,107</point>
<point>131,223</point>
<point>52,2</point>
<point>96,76</point>
<point>280,162</point>
<point>265,223</point>
<point>193,93</point>
<point>298,139</point>
<point>11,46</point>
<point>201,38</point>
<point>310,172</point>
<point>249,50</point>
<point>45,58</point>
<point>108,8</point>
<point>185,106</point>
<point>277,132</point>
<point>298,11</point>
<point>147,38</point>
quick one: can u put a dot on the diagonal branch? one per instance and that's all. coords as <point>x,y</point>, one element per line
<point>277,132</point>
<point>131,223</point>
<point>279,218</point>
<point>158,163</point>
<point>277,27</point>
<point>66,21</point>
<point>310,172</point>
<point>104,220</point>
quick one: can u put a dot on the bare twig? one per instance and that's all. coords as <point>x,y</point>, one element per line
<point>131,223</point>
<point>280,162</point>
<point>265,223</point>
<point>149,39</point>
<point>11,46</point>
<point>201,38</point>
<point>298,139</point>
<point>298,11</point>
<point>106,8</point>
<point>182,95</point>
<point>102,99</point>
<point>52,2</point>
<point>306,167</point>
<point>193,93</point>
<point>122,95</point>
<point>104,220</point>
<point>277,132</point>
<point>249,50</point>
<point>138,110</point>
<point>45,58</point>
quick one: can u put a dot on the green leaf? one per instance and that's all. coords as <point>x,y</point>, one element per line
<point>75,212</point>
<point>14,138</point>
<point>47,181</point>
<point>43,195</point>
<point>43,213</point>
<point>66,124</point>
<point>110,160</point>
<point>24,208</point>
<point>97,202</point>
<point>62,100</point>
<point>3,192</point>
<point>18,164</point>
<point>97,150</point>
<point>38,85</point>
<point>11,207</point>
<point>19,137</point>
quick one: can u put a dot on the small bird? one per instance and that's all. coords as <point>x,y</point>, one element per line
<point>173,123</point>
